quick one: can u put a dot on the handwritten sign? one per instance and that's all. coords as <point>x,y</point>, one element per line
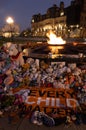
<point>52,100</point>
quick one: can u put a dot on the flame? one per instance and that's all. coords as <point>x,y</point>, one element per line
<point>55,49</point>
<point>75,43</point>
<point>54,40</point>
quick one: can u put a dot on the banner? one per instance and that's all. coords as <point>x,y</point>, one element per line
<point>50,100</point>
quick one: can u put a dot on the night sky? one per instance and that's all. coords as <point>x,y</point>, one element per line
<point>22,10</point>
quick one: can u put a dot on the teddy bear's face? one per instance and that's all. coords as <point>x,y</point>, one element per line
<point>13,50</point>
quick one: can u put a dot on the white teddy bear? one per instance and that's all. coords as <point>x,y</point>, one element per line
<point>15,55</point>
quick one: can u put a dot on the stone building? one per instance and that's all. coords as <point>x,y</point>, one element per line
<point>66,22</point>
<point>54,19</point>
<point>83,19</point>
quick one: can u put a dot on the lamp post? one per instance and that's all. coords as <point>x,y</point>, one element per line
<point>10,21</point>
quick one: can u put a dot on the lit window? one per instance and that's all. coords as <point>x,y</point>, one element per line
<point>32,20</point>
<point>62,13</point>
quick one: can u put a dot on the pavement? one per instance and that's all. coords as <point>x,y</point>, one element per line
<point>24,124</point>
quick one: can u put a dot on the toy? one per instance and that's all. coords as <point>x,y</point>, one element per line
<point>8,80</point>
<point>15,55</point>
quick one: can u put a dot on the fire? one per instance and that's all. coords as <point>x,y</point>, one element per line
<point>75,43</point>
<point>54,40</point>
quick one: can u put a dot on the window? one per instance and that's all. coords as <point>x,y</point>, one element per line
<point>62,13</point>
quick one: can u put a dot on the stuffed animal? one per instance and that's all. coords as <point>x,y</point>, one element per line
<point>8,80</point>
<point>44,65</point>
<point>15,55</point>
<point>37,63</point>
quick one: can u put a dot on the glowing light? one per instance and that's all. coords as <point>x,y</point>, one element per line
<point>54,40</point>
<point>75,43</point>
<point>25,52</point>
<point>55,49</point>
<point>10,20</point>
<point>62,13</point>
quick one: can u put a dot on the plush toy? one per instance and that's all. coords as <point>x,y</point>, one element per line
<point>44,65</point>
<point>2,75</point>
<point>2,64</point>
<point>8,80</point>
<point>15,55</point>
<point>37,63</point>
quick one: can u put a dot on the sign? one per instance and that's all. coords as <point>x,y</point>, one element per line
<point>50,100</point>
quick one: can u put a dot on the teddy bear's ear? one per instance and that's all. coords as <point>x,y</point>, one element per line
<point>15,46</point>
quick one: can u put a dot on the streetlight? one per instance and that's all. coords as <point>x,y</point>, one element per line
<point>10,21</point>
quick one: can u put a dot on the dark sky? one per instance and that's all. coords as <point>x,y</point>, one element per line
<point>22,10</point>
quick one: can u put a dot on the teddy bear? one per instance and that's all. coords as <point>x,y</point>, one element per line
<point>15,55</point>
<point>8,80</point>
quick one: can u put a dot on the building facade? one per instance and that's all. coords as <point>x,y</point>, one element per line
<point>66,22</point>
<point>83,19</point>
<point>54,19</point>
